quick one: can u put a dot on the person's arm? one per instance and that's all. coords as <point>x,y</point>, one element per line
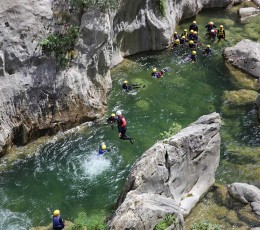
<point>224,34</point>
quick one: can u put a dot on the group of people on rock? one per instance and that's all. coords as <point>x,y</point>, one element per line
<point>191,39</point>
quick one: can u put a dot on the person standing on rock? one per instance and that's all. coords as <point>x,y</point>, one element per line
<point>121,124</point>
<point>58,223</point>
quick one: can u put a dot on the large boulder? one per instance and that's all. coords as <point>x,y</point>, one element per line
<point>247,194</point>
<point>245,55</point>
<point>170,177</point>
<point>248,12</point>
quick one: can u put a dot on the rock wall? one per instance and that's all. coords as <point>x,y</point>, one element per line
<point>36,98</point>
<point>170,177</point>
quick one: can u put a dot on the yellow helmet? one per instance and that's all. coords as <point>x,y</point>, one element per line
<point>175,32</point>
<point>211,23</point>
<point>112,115</point>
<point>191,42</point>
<point>125,82</point>
<point>185,30</point>
<point>194,22</point>
<point>195,32</point>
<point>194,52</point>
<point>56,213</point>
<point>177,41</point>
<point>221,26</point>
<point>183,37</point>
<point>208,46</point>
<point>192,31</point>
<point>103,147</point>
<point>154,69</point>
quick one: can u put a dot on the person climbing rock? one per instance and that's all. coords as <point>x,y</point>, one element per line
<point>121,124</point>
<point>194,26</point>
<point>207,51</point>
<point>128,88</point>
<point>57,221</point>
<point>221,33</point>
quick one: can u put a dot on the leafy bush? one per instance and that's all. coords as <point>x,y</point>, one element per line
<point>175,128</point>
<point>166,222</point>
<point>60,45</point>
<point>93,222</point>
<point>162,7</point>
<point>205,225</point>
<point>101,4</point>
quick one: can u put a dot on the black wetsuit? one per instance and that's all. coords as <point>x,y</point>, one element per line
<point>194,27</point>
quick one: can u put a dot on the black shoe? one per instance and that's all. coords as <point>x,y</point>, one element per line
<point>131,141</point>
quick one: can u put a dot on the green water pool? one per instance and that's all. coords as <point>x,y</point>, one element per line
<point>66,172</point>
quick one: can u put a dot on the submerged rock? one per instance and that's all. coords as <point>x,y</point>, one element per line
<point>246,193</point>
<point>245,55</point>
<point>170,177</point>
<point>240,97</point>
<point>68,225</point>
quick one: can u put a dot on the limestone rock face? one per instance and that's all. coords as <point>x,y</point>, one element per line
<point>170,177</point>
<point>245,55</point>
<point>247,194</point>
<point>248,12</point>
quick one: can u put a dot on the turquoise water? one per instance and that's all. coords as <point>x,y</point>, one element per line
<point>67,174</point>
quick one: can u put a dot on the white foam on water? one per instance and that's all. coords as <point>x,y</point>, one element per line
<point>95,164</point>
<point>13,220</point>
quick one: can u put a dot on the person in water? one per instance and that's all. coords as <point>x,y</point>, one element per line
<point>57,221</point>
<point>207,51</point>
<point>193,56</point>
<point>192,45</point>
<point>213,34</point>
<point>128,88</point>
<point>221,33</point>
<point>112,119</point>
<point>210,26</point>
<point>194,26</point>
<point>185,33</point>
<point>183,40</point>
<point>176,42</point>
<point>175,35</point>
<point>160,73</point>
<point>121,124</point>
<point>102,149</point>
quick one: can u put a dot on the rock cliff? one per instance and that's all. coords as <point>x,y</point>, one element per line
<point>37,98</point>
<point>170,177</point>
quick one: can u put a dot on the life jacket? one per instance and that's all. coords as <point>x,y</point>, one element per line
<point>221,32</point>
<point>121,121</point>
<point>101,151</point>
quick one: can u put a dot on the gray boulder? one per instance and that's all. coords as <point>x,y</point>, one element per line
<point>246,194</point>
<point>245,55</point>
<point>170,177</point>
<point>244,13</point>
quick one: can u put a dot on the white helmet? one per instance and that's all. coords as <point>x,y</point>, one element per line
<point>118,113</point>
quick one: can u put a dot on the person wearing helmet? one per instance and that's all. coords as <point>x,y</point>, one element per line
<point>183,40</point>
<point>175,35</point>
<point>176,42</point>
<point>121,124</point>
<point>221,33</point>
<point>112,119</point>
<point>127,87</point>
<point>194,26</point>
<point>207,51</point>
<point>210,26</point>
<point>195,37</point>
<point>193,56</point>
<point>57,221</point>
<point>185,33</point>
<point>156,74</point>
<point>102,149</point>
<point>192,45</point>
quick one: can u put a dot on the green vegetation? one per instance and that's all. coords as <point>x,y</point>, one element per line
<point>205,225</point>
<point>175,128</point>
<point>162,7</point>
<point>60,46</point>
<point>166,222</point>
<point>93,222</point>
<point>101,4</point>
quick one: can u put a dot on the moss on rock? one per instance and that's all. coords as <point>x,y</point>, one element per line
<point>240,97</point>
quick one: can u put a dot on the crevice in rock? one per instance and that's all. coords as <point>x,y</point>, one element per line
<point>167,165</point>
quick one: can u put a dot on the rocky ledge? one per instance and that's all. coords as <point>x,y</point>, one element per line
<point>170,177</point>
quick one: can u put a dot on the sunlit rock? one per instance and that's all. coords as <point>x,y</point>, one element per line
<point>179,169</point>
<point>246,194</point>
<point>248,12</point>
